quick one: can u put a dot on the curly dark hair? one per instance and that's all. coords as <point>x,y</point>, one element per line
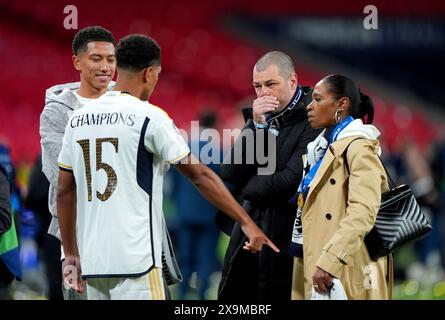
<point>136,52</point>
<point>91,34</point>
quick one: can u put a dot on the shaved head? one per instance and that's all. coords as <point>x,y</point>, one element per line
<point>278,58</point>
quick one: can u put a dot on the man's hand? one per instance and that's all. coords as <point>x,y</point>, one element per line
<point>322,280</point>
<point>256,238</point>
<point>263,105</point>
<point>72,274</point>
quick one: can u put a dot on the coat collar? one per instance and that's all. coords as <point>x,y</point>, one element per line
<point>335,151</point>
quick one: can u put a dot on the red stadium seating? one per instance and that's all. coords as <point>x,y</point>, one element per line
<point>203,66</point>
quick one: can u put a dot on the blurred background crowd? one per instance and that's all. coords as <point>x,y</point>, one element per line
<point>208,52</point>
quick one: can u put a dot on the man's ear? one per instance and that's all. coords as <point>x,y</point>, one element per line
<point>147,73</point>
<point>76,62</point>
<point>293,81</point>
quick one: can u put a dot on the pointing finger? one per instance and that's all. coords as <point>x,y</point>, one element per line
<point>272,245</point>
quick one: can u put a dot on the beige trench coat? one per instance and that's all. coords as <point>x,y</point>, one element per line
<point>340,209</point>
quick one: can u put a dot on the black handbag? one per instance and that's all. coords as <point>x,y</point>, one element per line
<point>398,222</point>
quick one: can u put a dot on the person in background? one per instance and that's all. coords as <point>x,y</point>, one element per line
<point>10,268</point>
<point>197,234</point>
<point>49,246</point>
<point>5,205</point>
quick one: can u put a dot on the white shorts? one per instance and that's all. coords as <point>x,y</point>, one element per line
<point>148,287</point>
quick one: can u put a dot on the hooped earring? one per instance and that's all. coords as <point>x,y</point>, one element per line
<point>337,115</point>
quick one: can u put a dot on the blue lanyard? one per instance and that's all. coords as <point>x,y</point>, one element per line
<point>304,185</point>
<point>339,128</point>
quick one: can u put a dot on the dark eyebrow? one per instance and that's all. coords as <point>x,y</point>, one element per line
<point>102,55</point>
<point>265,82</point>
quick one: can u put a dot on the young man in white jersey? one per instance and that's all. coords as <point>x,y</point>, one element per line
<point>109,199</point>
<point>94,57</point>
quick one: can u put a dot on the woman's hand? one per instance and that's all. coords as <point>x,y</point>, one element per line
<point>322,280</point>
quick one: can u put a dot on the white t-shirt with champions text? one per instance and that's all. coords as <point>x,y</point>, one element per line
<point>118,149</point>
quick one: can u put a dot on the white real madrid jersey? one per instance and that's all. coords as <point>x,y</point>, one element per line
<point>118,148</point>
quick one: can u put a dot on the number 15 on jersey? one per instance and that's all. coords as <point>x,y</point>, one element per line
<point>100,165</point>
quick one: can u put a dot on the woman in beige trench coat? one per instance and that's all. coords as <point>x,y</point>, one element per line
<point>339,201</point>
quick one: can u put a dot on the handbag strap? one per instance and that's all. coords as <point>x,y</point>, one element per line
<point>391,182</point>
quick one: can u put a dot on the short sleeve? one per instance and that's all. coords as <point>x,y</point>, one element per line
<point>164,139</point>
<point>65,159</point>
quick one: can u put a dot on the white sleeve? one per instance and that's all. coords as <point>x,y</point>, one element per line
<point>65,159</point>
<point>164,139</point>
